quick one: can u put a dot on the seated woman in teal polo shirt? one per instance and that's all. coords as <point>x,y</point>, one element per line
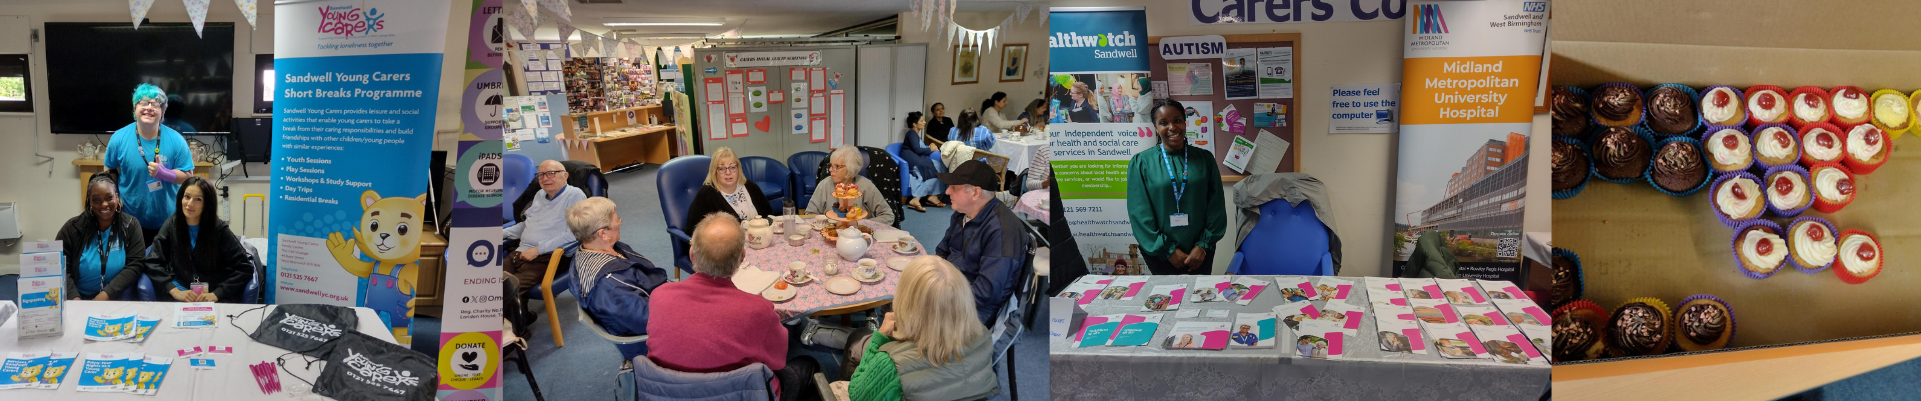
<point>102,245</point>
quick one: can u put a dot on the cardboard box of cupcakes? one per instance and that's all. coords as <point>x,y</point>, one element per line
<point>1679,204</point>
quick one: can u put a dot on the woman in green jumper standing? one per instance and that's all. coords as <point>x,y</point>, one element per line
<point>1174,198</point>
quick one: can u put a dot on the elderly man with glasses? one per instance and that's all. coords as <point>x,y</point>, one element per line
<point>545,228</point>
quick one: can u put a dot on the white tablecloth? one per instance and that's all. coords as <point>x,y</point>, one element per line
<point>1019,151</point>
<point>1151,373</point>
<point>230,381</point>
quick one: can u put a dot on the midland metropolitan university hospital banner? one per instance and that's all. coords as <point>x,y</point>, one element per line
<point>357,82</point>
<point>1096,47</point>
<point>1467,101</point>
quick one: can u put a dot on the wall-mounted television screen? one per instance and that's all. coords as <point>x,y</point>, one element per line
<point>93,67</point>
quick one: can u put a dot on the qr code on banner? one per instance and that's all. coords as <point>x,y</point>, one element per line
<point>1509,248</point>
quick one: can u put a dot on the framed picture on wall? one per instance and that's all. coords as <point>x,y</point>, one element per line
<point>1013,62</point>
<point>967,65</point>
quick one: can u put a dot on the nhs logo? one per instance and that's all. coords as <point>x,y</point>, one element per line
<point>1534,6</point>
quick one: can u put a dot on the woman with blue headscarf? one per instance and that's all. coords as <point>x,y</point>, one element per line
<point>151,159</point>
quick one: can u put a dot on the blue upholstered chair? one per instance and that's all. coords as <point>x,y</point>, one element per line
<point>770,175</point>
<point>1292,241</point>
<point>517,172</point>
<point>678,181</point>
<point>805,168</point>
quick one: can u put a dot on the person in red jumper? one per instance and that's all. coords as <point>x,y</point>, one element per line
<point>704,325</point>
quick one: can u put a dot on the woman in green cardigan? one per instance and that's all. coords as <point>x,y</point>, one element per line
<point>936,350</point>
<point>1174,198</point>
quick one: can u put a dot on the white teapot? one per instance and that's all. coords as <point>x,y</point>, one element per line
<point>760,234</point>
<point>853,243</point>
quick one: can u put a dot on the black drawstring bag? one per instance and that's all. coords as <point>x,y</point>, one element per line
<point>308,329</point>
<point>361,367</point>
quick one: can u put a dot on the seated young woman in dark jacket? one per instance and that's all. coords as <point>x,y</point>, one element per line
<point>613,282</point>
<point>727,190</point>
<point>195,249</point>
<point>103,245</point>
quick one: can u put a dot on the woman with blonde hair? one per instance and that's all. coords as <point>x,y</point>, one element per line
<point>936,350</point>
<point>727,190</point>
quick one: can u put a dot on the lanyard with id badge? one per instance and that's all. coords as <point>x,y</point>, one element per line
<point>155,185</point>
<point>1177,219</point>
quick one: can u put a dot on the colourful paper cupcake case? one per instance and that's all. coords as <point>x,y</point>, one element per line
<point>1892,131</point>
<point>1723,217</point>
<point>1789,238</point>
<point>1694,99</point>
<point>1569,193</point>
<point>1707,139</point>
<point>1697,148</point>
<point>1599,321</point>
<point>1767,187</point>
<point>1822,205</point>
<point>1724,306</point>
<point>1740,113</point>
<point>1835,118</point>
<point>1735,247</point>
<point>1755,141</point>
<point>1881,258</point>
<point>1580,275</point>
<point>1639,115</point>
<point>1638,131</point>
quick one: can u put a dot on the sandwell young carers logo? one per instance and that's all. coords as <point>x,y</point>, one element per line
<point>1429,20</point>
<point>348,21</point>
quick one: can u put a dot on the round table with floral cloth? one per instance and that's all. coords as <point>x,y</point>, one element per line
<point>813,296</point>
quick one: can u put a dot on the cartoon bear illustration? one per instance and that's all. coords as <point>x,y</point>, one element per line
<point>389,233</point>
<point>27,375</point>
<point>54,374</point>
<point>108,376</point>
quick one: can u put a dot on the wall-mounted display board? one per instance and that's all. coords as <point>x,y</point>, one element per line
<point>1237,88</point>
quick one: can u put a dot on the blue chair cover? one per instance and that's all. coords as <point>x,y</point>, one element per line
<point>1290,240</point>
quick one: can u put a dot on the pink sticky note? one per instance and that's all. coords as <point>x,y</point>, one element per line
<point>1537,313</point>
<point>1308,289</point>
<point>1353,320</point>
<point>1447,311</point>
<point>1135,288</point>
<point>1434,291</point>
<point>1393,287</point>
<point>1407,316</point>
<point>1476,293</point>
<point>1253,291</point>
<point>1311,312</point>
<point>1090,322</point>
<point>1087,297</point>
<point>1398,301</point>
<point>1334,343</point>
<point>1526,346</point>
<point>1472,343</point>
<point>1222,286</point>
<point>1414,339</point>
<point>1178,295</point>
<point>1516,292</point>
<point>1498,318</point>
<point>1342,292</point>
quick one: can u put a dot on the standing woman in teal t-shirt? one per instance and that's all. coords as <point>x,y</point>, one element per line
<point>152,161</point>
<point>1174,198</point>
<point>103,247</point>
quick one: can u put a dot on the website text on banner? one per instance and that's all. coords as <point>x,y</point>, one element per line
<point>1469,80</point>
<point>1090,159</point>
<point>358,81</point>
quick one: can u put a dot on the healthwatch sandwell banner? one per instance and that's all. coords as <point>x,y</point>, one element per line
<point>1209,12</point>
<point>357,82</point>
<point>1096,47</point>
<point>1469,76</point>
<point>1089,42</point>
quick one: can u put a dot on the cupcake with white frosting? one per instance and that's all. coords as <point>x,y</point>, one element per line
<point>1722,105</point>
<point>1728,148</point>
<point>1849,106</point>
<point>1767,104</point>
<point>1821,143</point>
<point>1808,105</point>
<point>1891,111</point>
<point>1775,145</point>
<point>1833,187</point>
<point>1867,149</point>
<point>1737,198</point>
<point>1860,257</point>
<point>1811,243</point>
<point>1759,248</point>
<point>1787,190</point>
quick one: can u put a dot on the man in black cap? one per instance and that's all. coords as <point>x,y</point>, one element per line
<point>984,240</point>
